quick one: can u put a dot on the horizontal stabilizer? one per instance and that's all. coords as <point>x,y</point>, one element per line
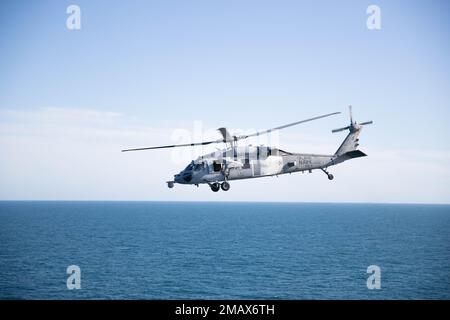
<point>356,154</point>
<point>353,154</point>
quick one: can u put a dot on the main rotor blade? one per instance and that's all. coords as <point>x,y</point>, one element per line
<point>287,125</point>
<point>365,123</point>
<point>225,134</point>
<point>227,138</point>
<point>174,146</point>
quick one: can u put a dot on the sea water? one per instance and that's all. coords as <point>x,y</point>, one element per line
<point>223,250</point>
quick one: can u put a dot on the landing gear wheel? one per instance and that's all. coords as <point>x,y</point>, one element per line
<point>225,186</point>
<point>215,187</point>
<point>329,175</point>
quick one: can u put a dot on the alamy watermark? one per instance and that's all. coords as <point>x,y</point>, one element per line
<point>73,21</point>
<point>374,19</point>
<point>199,133</point>
<point>374,280</point>
<point>74,279</point>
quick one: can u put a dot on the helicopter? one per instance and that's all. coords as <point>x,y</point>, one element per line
<point>247,162</point>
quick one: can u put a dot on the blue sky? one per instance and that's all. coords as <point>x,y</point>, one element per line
<point>148,67</point>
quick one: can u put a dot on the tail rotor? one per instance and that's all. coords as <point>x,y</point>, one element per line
<point>353,125</point>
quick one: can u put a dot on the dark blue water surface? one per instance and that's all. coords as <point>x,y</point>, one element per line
<point>161,250</point>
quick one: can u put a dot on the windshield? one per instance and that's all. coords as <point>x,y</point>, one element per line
<point>189,167</point>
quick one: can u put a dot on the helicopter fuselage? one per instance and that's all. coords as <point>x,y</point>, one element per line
<point>249,162</point>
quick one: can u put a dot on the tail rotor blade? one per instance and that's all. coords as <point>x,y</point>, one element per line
<point>351,114</point>
<point>340,129</point>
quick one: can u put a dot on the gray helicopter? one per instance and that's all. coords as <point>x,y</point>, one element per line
<point>247,162</point>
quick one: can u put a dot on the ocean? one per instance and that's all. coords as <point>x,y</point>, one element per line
<point>223,250</point>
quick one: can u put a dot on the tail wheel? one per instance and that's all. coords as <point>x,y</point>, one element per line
<point>330,176</point>
<point>225,186</point>
<point>215,187</point>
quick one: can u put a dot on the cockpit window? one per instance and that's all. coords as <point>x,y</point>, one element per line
<point>189,167</point>
<point>198,166</point>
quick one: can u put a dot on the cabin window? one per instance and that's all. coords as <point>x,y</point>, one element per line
<point>217,166</point>
<point>246,160</point>
<point>263,152</point>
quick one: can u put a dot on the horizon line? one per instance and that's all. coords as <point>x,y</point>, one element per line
<point>230,201</point>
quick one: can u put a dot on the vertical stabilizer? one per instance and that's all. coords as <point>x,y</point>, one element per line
<point>351,142</point>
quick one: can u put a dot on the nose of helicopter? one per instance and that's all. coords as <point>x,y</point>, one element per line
<point>183,177</point>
